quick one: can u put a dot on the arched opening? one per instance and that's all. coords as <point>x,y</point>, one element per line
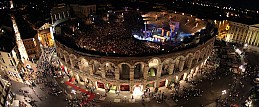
<point>189,60</point>
<point>196,58</point>
<point>186,62</point>
<point>62,57</point>
<point>97,68</point>
<point>165,67</point>
<point>179,63</point>
<point>202,54</point>
<point>152,72</point>
<point>125,72</point>
<point>76,65</point>
<point>138,71</point>
<point>109,70</point>
<point>176,67</point>
<point>66,58</point>
<point>84,65</point>
<point>153,67</point>
<point>74,61</point>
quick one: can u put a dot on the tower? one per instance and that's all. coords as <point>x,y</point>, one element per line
<point>19,42</point>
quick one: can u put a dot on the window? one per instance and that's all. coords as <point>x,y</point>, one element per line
<point>11,62</point>
<point>14,61</point>
<point>3,60</point>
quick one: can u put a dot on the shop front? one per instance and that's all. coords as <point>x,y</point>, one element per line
<point>125,87</point>
<point>100,85</point>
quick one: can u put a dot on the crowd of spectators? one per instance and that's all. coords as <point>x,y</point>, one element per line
<point>112,38</point>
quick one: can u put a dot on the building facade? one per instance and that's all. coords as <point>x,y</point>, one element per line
<point>45,37</point>
<point>59,12</point>
<point>9,54</point>
<point>9,63</point>
<point>83,11</point>
<point>32,47</point>
<point>243,33</point>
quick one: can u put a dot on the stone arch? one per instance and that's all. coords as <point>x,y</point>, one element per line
<point>154,66</point>
<point>66,57</point>
<point>124,69</point>
<point>189,60</point>
<point>155,60</point>
<point>73,61</point>
<point>206,52</point>
<point>209,50</point>
<point>166,66</point>
<point>196,57</point>
<point>109,69</point>
<point>96,67</point>
<point>179,63</point>
<point>83,64</point>
<point>202,54</point>
<point>139,70</point>
<point>58,52</point>
<point>83,79</point>
<point>61,54</point>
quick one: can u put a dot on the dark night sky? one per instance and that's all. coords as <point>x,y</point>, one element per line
<point>253,4</point>
<point>250,4</point>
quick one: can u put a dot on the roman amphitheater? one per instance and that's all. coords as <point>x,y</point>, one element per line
<point>106,64</point>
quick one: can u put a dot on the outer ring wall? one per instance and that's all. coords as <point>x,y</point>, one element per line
<point>182,65</point>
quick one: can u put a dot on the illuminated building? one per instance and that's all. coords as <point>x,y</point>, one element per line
<point>243,33</point>
<point>9,53</point>
<point>107,67</point>
<point>223,28</point>
<point>32,47</point>
<point>29,38</point>
<point>44,35</point>
<point>19,42</point>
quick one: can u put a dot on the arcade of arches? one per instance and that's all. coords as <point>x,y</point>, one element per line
<point>156,72</point>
